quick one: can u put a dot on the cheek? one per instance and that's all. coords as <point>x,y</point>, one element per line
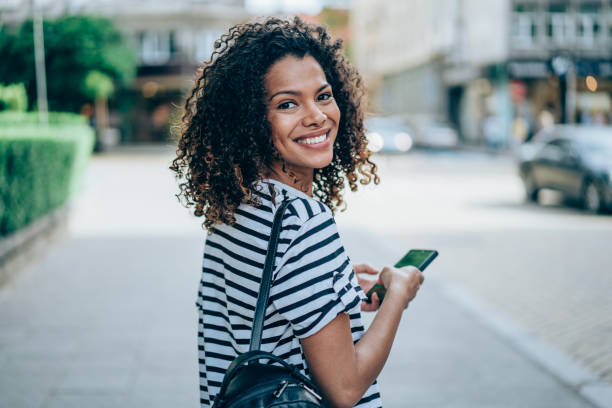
<point>280,127</point>
<point>334,112</point>
<point>273,123</point>
<point>276,131</point>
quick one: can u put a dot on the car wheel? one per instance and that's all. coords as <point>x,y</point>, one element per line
<point>531,190</point>
<point>591,198</point>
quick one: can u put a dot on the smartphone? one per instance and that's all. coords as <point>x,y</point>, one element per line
<point>421,258</point>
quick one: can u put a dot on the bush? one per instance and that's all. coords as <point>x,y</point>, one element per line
<point>10,119</point>
<point>13,97</point>
<point>40,168</point>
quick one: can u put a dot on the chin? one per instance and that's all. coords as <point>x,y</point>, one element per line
<point>323,163</point>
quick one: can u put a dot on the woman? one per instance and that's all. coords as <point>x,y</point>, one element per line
<point>276,115</point>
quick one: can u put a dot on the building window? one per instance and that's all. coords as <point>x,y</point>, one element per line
<point>589,24</point>
<point>155,47</point>
<point>524,24</point>
<point>204,44</point>
<point>560,27</point>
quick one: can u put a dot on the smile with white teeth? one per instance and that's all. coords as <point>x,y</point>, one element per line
<point>313,140</point>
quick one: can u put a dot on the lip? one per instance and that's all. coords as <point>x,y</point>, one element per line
<point>314,134</point>
<point>316,146</point>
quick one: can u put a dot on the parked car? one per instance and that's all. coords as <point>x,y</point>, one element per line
<point>437,135</point>
<point>575,160</point>
<point>387,134</point>
<point>431,132</point>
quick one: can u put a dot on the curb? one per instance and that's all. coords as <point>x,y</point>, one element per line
<point>20,247</point>
<point>588,384</point>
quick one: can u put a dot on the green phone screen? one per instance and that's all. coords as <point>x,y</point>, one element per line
<point>415,257</point>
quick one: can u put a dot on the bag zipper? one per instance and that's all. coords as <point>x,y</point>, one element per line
<point>281,388</point>
<point>284,384</point>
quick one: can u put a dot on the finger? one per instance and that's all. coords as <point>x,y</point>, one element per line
<point>372,306</point>
<point>421,278</point>
<point>366,284</point>
<point>365,268</point>
<point>366,307</point>
<point>371,270</point>
<point>375,301</point>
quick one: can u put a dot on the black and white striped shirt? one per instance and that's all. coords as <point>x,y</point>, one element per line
<point>313,282</point>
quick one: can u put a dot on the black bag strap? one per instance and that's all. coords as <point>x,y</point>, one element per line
<point>266,279</point>
<point>254,356</point>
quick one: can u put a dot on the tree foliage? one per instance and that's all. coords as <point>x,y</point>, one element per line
<point>13,98</point>
<point>75,46</point>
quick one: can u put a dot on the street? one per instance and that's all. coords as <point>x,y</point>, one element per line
<point>546,266</point>
<point>106,316</point>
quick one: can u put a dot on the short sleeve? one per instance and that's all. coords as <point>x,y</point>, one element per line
<point>315,281</point>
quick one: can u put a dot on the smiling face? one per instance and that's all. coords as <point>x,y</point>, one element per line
<point>303,115</point>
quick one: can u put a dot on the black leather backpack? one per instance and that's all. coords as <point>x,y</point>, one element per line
<point>249,383</point>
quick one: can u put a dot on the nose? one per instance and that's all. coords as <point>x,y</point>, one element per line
<point>314,116</point>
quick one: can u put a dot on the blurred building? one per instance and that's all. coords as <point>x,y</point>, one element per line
<point>171,40</point>
<point>336,19</point>
<point>493,69</point>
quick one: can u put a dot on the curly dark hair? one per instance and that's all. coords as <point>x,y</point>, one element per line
<point>225,142</point>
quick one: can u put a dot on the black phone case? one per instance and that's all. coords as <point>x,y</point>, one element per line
<point>380,289</point>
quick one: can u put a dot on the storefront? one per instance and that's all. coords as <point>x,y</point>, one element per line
<point>558,91</point>
<point>593,92</point>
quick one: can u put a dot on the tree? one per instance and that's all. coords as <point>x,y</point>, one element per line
<point>75,47</point>
<point>13,97</point>
<point>99,86</point>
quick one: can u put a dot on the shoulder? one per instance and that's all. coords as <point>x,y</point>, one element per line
<point>302,209</point>
<point>312,237</point>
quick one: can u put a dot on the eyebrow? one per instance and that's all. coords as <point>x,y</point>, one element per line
<point>296,92</point>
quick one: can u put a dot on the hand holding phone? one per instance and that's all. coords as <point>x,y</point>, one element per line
<point>420,258</point>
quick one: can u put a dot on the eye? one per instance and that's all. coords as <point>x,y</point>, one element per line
<point>325,96</point>
<point>287,105</point>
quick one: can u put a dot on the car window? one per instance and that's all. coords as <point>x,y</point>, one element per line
<point>567,146</point>
<point>552,150</point>
<point>555,143</point>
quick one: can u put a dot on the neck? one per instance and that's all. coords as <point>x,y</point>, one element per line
<point>300,179</point>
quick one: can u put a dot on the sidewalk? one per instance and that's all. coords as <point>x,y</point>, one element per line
<point>444,355</point>
<point>106,318</point>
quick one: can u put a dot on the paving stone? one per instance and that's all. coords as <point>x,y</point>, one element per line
<point>600,393</point>
<point>25,384</point>
<point>89,400</point>
<point>103,379</point>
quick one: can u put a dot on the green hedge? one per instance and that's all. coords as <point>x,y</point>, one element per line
<point>40,168</point>
<point>12,118</point>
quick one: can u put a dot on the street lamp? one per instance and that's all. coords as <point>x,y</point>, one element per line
<point>39,57</point>
<point>563,67</point>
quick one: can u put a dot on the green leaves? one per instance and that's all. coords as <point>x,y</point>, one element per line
<point>13,98</point>
<point>75,46</point>
<point>40,168</point>
<point>98,85</point>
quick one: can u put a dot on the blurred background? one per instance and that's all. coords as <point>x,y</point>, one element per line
<point>490,125</point>
<point>521,65</point>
